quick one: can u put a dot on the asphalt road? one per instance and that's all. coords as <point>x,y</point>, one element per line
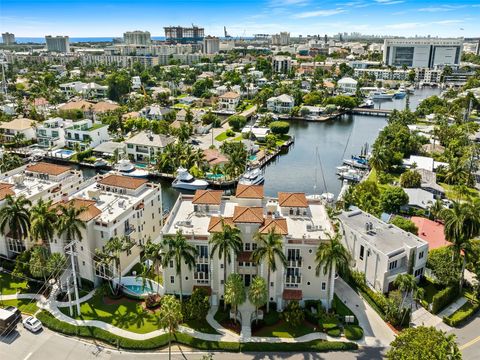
<point>468,338</point>
<point>48,345</point>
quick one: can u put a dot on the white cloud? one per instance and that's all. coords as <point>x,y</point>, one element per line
<point>389,2</point>
<point>441,8</point>
<point>318,13</point>
<point>404,26</point>
<point>447,22</point>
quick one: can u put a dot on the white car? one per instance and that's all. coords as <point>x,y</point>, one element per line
<point>33,324</point>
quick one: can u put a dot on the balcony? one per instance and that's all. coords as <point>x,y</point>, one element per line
<point>293,280</point>
<point>129,229</point>
<point>398,270</point>
<point>294,262</point>
<point>202,260</point>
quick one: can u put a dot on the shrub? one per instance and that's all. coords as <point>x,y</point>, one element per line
<point>443,298</point>
<point>293,314</point>
<point>196,308</point>
<point>310,346</point>
<point>353,332</point>
<point>230,133</point>
<point>280,127</point>
<point>330,326</point>
<point>237,122</point>
<point>82,155</point>
<point>334,332</point>
<point>405,224</point>
<point>271,318</point>
<point>465,312</point>
<point>341,309</point>
<point>410,179</point>
<point>152,301</point>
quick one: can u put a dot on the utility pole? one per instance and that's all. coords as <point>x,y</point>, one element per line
<point>72,254</point>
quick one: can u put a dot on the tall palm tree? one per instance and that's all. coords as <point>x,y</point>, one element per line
<point>153,252</point>
<point>225,242</point>
<point>332,256</point>
<point>14,217</point>
<point>43,219</point>
<point>269,249</point>
<point>69,223</point>
<point>179,250</point>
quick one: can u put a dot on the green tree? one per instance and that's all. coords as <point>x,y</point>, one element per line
<point>410,179</point>
<point>38,262</point>
<point>444,265</point>
<point>15,217</point>
<point>170,316</point>
<point>226,242</point>
<point>393,198</point>
<point>269,249</point>
<point>69,223</point>
<point>234,292</point>
<point>178,250</point>
<point>153,252</point>
<point>258,293</point>
<point>237,122</point>
<point>118,85</point>
<point>426,343</point>
<point>280,127</point>
<point>405,224</point>
<point>56,264</point>
<point>9,162</point>
<point>42,219</point>
<point>332,256</point>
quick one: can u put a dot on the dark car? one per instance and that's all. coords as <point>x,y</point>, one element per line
<point>194,142</point>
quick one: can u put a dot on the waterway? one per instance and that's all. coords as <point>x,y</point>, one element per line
<point>299,169</point>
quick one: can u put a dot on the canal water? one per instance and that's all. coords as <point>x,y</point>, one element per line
<point>299,168</point>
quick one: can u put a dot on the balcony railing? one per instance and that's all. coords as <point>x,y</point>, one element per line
<point>397,270</point>
<point>294,262</point>
<point>200,275</point>
<point>293,279</point>
<point>130,229</point>
<point>201,260</point>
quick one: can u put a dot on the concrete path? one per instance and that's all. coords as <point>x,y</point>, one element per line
<point>449,310</point>
<point>376,331</point>
<point>227,334</point>
<point>246,310</point>
<point>422,317</point>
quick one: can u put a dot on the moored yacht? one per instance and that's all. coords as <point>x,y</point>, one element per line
<point>381,95</point>
<point>252,177</point>
<point>186,181</point>
<point>124,166</point>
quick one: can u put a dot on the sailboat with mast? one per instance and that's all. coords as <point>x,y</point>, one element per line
<point>326,196</point>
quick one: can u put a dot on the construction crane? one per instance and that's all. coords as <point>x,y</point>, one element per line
<point>227,36</point>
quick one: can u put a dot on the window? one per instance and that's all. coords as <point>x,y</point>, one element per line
<point>392,265</point>
<point>362,252</point>
<point>172,279</point>
<point>254,247</point>
<point>171,263</point>
<point>83,263</point>
<point>240,263</point>
<point>324,286</point>
<point>421,254</point>
<point>418,272</point>
<point>271,284</point>
<point>247,246</point>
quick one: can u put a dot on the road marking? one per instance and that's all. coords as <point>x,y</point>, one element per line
<point>28,356</point>
<point>470,343</point>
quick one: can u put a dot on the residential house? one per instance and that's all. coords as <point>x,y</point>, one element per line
<point>86,134</point>
<point>260,133</point>
<point>51,133</point>
<point>347,85</point>
<point>145,145</point>
<point>228,102</point>
<point>281,104</point>
<point>381,251</point>
<point>21,128</point>
<point>419,199</point>
<point>429,182</point>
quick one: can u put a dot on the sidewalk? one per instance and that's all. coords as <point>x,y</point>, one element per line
<point>449,310</point>
<point>422,317</point>
<point>376,331</point>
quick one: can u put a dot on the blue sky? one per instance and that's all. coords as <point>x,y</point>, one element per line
<point>87,18</point>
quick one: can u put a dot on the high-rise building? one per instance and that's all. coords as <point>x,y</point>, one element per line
<point>211,45</point>
<point>184,35</point>
<point>8,38</point>
<point>422,52</point>
<point>282,64</point>
<point>58,43</point>
<point>137,37</point>
<point>281,39</point>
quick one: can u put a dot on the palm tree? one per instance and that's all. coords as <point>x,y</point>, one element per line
<point>269,248</point>
<point>14,217</point>
<point>258,294</point>
<point>332,256</point>
<point>10,161</point>
<point>234,292</point>
<point>177,250</point>
<point>42,219</point>
<point>56,263</point>
<point>170,316</point>
<point>153,252</point>
<point>111,254</point>
<point>225,242</point>
<point>379,160</point>
<point>69,223</point>
<point>436,209</point>
<point>407,284</point>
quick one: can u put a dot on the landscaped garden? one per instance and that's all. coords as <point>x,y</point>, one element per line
<point>12,285</point>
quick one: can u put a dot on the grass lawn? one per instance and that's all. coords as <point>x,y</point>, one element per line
<point>223,318</point>
<point>282,330</point>
<point>223,136</point>
<point>24,305</point>
<point>200,325</point>
<point>452,192</point>
<point>10,285</point>
<point>124,313</point>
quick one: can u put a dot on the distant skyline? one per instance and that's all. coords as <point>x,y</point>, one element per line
<point>90,18</point>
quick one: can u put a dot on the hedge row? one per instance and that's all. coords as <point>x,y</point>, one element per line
<point>465,312</point>
<point>443,298</point>
<point>353,332</point>
<point>161,341</point>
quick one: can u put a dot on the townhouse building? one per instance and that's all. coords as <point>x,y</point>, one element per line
<point>51,133</point>
<point>301,224</point>
<point>145,145</point>
<point>382,251</point>
<point>25,128</point>
<point>86,134</point>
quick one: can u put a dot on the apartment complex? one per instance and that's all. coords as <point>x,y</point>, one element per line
<point>302,225</point>
<point>211,45</point>
<point>422,52</point>
<point>184,35</point>
<point>8,38</point>
<point>382,251</point>
<point>59,44</point>
<point>281,39</point>
<point>137,37</point>
<point>282,64</point>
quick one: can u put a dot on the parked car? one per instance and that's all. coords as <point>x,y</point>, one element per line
<point>33,324</point>
<point>13,309</point>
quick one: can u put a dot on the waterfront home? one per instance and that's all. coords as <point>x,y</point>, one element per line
<point>429,182</point>
<point>422,162</point>
<point>281,104</point>
<point>145,145</point>
<point>108,149</point>
<point>51,133</point>
<point>154,112</point>
<point>85,134</point>
<point>419,199</point>
<point>347,85</point>
<point>307,110</point>
<point>228,102</point>
<point>259,133</point>
<point>86,90</point>
<point>20,127</point>
<point>35,181</point>
<point>301,224</point>
<point>381,251</point>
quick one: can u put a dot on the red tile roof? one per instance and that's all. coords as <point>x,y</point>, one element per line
<point>5,189</point>
<point>280,226</point>
<point>243,214</point>
<point>431,231</point>
<point>215,224</point>
<point>207,197</point>
<point>122,181</point>
<point>291,294</point>
<point>249,191</point>
<point>292,200</point>
<point>90,210</point>
<point>47,168</point>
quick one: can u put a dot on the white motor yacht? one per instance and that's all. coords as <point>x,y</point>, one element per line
<point>186,181</point>
<point>381,95</point>
<point>252,177</point>
<point>124,166</point>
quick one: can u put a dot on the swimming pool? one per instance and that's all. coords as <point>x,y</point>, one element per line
<point>133,286</point>
<point>64,153</point>
<point>140,289</point>
<point>252,157</point>
<point>215,176</point>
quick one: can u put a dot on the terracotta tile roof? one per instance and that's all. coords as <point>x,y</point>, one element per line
<point>249,191</point>
<point>243,214</point>
<point>292,199</point>
<point>431,232</point>
<point>245,256</point>
<point>207,197</point>
<point>80,104</point>
<point>215,224</point>
<point>122,181</point>
<point>5,189</point>
<point>280,226</point>
<point>48,168</point>
<point>292,294</point>
<point>230,95</point>
<point>215,157</point>
<point>18,124</point>
<point>104,106</point>
<point>91,211</point>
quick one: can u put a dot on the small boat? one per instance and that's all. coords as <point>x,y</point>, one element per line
<point>381,95</point>
<point>400,94</point>
<point>252,177</point>
<point>186,181</point>
<point>368,104</point>
<point>357,162</point>
<point>352,175</point>
<point>342,169</point>
<point>125,167</point>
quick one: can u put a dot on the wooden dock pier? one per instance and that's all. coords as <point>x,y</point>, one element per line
<point>371,112</point>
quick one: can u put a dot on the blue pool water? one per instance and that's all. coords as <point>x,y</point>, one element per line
<point>65,152</point>
<point>139,289</point>
<point>252,157</point>
<point>214,176</point>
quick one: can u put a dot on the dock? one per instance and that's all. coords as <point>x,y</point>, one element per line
<point>371,112</point>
